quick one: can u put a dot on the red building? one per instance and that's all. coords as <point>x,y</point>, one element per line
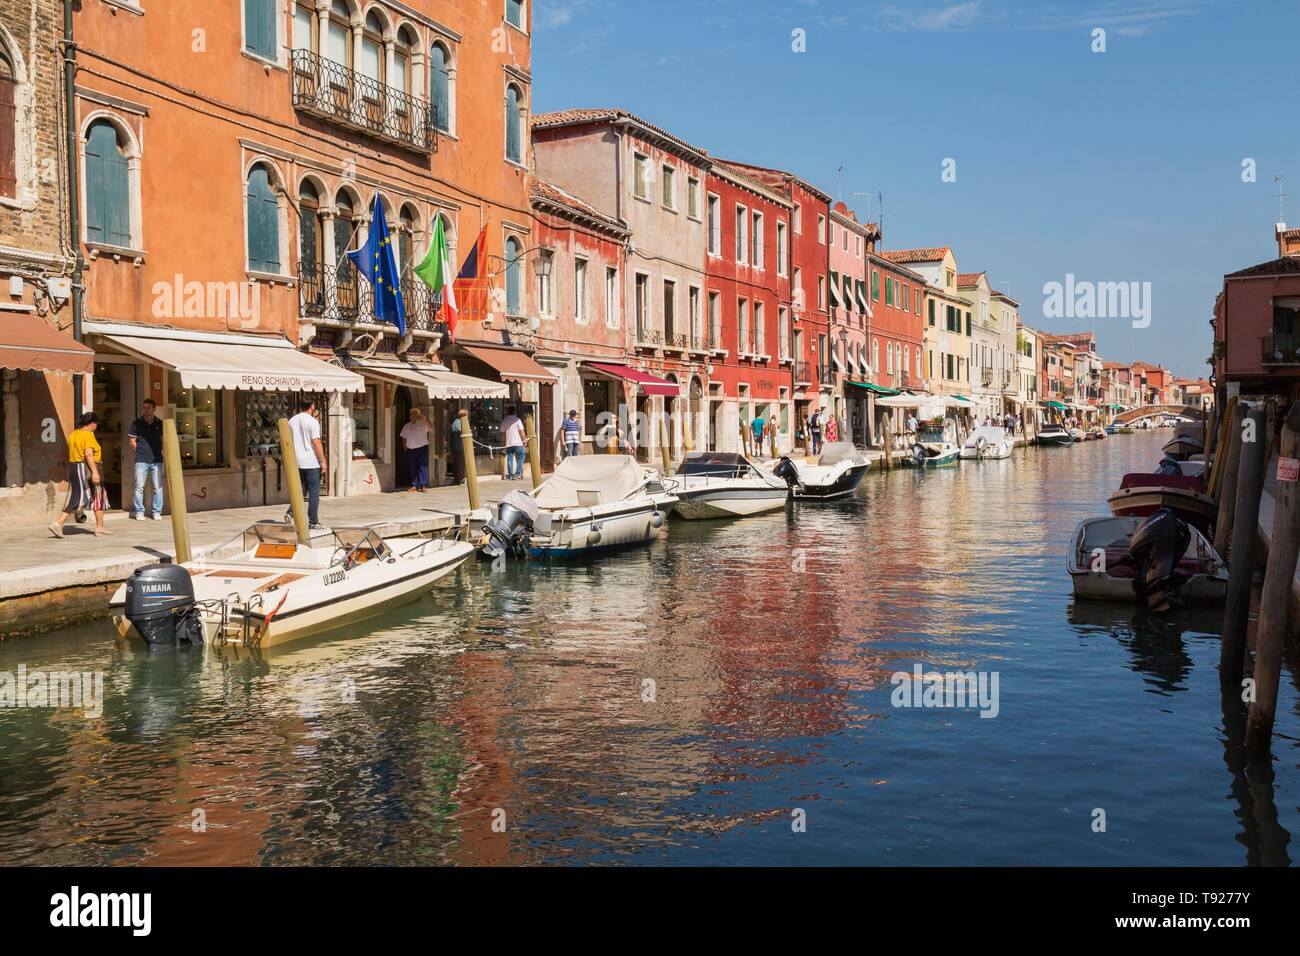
<point>748,307</point>
<point>897,329</point>
<point>810,263</point>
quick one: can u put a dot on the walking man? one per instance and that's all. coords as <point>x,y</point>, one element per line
<point>572,434</point>
<point>513,431</point>
<point>815,429</point>
<point>311,458</point>
<point>145,436</point>
<point>415,439</point>
<point>758,427</point>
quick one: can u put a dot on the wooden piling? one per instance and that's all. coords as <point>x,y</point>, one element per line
<point>1227,465</point>
<point>687,439</point>
<point>1245,523</point>
<point>289,462</point>
<point>887,437</point>
<point>1275,600</point>
<point>534,450</point>
<point>471,469</point>
<point>1220,446</point>
<point>176,491</point>
<point>665,453</point>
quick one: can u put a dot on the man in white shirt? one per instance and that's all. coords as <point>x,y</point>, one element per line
<point>415,439</point>
<point>513,431</point>
<point>311,457</point>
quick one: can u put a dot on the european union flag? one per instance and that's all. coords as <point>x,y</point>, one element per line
<point>377,262</point>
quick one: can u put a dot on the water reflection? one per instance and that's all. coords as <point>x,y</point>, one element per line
<point>678,703</point>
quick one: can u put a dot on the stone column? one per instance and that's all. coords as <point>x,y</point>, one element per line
<point>13,475</point>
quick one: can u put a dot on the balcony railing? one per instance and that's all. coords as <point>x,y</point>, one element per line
<point>803,373</point>
<point>714,339</point>
<point>824,373</point>
<point>331,91</point>
<point>987,375</point>
<point>649,338</point>
<point>341,295</point>
<point>675,341</point>
<point>1280,349</point>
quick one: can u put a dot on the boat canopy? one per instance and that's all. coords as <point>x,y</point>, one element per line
<point>588,480</point>
<point>837,451</point>
<point>718,463</point>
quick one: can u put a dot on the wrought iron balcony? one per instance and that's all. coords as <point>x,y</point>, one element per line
<point>332,92</point>
<point>803,373</point>
<point>649,338</point>
<point>342,295</point>
<point>1280,349</point>
<point>987,375</point>
<point>714,338</point>
<point>675,341</point>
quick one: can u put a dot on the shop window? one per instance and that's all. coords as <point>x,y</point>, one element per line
<point>197,412</point>
<point>364,418</point>
<point>485,417</point>
<point>595,404</point>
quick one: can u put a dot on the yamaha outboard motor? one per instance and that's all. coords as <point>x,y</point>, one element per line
<point>919,453</point>
<point>509,532</point>
<point>160,605</point>
<point>1168,466</point>
<point>1156,547</point>
<point>786,471</point>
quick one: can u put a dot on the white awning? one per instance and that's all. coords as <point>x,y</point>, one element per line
<point>837,299</point>
<point>218,360</point>
<point>862,298</point>
<point>436,380</point>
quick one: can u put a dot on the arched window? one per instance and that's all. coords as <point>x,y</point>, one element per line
<point>875,355</point>
<point>345,274</point>
<point>108,186</point>
<point>403,52</point>
<point>305,34</point>
<point>907,358</point>
<point>408,224</point>
<point>514,277</point>
<point>440,86</point>
<point>372,48</point>
<point>8,127</point>
<point>339,34</point>
<point>514,125</point>
<point>311,243</point>
<point>263,222</point>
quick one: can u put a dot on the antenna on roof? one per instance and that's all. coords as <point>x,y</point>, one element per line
<point>840,173</point>
<point>866,214</point>
<point>1281,198</point>
<point>881,201</point>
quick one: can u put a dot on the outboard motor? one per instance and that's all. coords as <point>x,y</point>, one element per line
<point>509,532</point>
<point>919,454</point>
<point>160,605</point>
<point>1168,466</point>
<point>787,472</point>
<point>1156,547</point>
<point>981,446</point>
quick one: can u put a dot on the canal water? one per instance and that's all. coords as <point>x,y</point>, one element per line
<point>724,696</point>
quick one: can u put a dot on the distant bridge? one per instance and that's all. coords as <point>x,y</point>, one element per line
<point>1153,411</point>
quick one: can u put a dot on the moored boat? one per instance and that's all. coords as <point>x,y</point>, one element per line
<point>265,588</point>
<point>591,503</point>
<point>1183,447</point>
<point>1104,562</point>
<point>724,485</point>
<point>1053,434</point>
<point>1141,494</point>
<point>837,473</point>
<point>987,441</point>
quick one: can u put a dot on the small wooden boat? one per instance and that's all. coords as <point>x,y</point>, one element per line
<point>714,484</point>
<point>1141,494</point>
<point>837,474</point>
<point>1053,434</point>
<point>1102,568</point>
<point>264,588</point>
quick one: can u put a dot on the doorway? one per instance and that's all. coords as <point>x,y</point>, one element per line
<point>401,415</point>
<point>546,426</point>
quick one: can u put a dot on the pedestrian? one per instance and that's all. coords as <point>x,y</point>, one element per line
<point>310,452</point>
<point>758,427</point>
<point>85,481</point>
<point>145,436</point>
<point>911,426</point>
<point>572,434</point>
<point>832,429</point>
<point>513,431</point>
<point>415,439</point>
<point>457,449</point>
<point>800,430</point>
<point>815,429</point>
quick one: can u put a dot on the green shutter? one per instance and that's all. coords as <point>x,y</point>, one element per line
<point>108,187</point>
<point>875,286</point>
<point>932,316</point>
<point>259,27</point>
<point>263,224</point>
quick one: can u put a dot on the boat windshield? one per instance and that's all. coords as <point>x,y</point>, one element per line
<point>362,544</point>
<point>714,464</point>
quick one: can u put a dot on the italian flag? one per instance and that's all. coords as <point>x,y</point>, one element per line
<point>435,272</point>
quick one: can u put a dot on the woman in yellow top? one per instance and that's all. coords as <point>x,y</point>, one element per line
<point>85,480</point>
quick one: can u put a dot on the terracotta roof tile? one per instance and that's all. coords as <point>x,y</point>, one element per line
<point>1287,265</point>
<point>577,117</point>
<point>916,255</point>
<point>966,280</point>
<point>539,189</point>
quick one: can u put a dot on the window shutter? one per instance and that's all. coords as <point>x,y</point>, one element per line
<point>108,188</point>
<point>259,27</point>
<point>263,224</point>
<point>8,135</point>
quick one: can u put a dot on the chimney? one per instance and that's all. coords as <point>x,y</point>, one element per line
<point>1288,241</point>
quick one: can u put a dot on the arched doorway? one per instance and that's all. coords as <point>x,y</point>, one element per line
<point>402,405</point>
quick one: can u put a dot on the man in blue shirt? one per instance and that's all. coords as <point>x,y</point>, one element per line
<point>757,426</point>
<point>572,434</point>
<point>145,436</point>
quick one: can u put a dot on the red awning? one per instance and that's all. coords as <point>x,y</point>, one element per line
<point>512,364</point>
<point>647,383</point>
<point>28,344</point>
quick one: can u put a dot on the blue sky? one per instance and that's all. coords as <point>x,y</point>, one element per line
<point>1122,166</point>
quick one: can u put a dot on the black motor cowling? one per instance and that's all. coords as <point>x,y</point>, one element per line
<point>1156,547</point>
<point>786,471</point>
<point>1168,466</point>
<point>160,605</point>
<point>509,532</point>
<point>920,453</point>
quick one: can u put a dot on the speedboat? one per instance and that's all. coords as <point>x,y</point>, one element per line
<point>1141,494</point>
<point>837,473</point>
<point>933,448</point>
<point>1152,560</point>
<point>715,484</point>
<point>987,441</point>
<point>1183,447</point>
<point>264,588</point>
<point>591,503</point>
<point>1053,434</point>
<point>1078,434</point>
<point>1096,433</point>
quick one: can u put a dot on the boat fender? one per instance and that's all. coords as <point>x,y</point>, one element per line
<point>657,520</point>
<point>593,537</point>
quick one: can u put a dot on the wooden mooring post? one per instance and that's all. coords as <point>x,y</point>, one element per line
<point>176,491</point>
<point>665,453</point>
<point>1249,485</point>
<point>1226,467</point>
<point>887,437</point>
<point>289,462</point>
<point>1279,577</point>
<point>471,468</point>
<point>1220,446</point>
<point>534,450</point>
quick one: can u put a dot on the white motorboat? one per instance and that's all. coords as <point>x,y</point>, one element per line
<point>988,441</point>
<point>713,484</point>
<point>1102,567</point>
<point>837,473</point>
<point>1054,434</point>
<point>591,503</point>
<point>263,588</point>
<point>935,446</point>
